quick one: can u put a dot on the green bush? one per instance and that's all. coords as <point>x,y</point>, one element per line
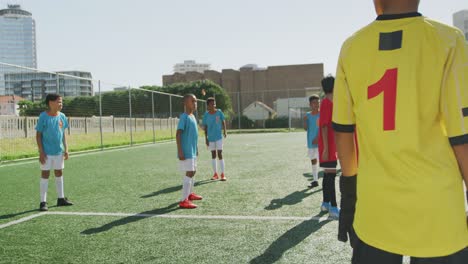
<point>280,122</point>
<point>246,123</point>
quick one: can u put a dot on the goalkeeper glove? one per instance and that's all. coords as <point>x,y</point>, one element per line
<point>348,207</point>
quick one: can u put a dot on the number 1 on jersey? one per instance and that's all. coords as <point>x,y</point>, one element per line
<point>388,86</point>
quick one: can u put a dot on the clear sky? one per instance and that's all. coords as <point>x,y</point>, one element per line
<point>136,42</point>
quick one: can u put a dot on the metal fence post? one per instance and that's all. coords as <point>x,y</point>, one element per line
<point>152,111</point>
<point>100,113</point>
<point>170,113</point>
<point>57,79</point>
<point>130,113</point>
<point>289,114</point>
<point>238,111</point>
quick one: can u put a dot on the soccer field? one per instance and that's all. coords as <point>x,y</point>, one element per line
<point>126,208</point>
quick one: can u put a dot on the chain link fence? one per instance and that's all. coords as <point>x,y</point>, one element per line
<point>105,115</point>
<point>270,108</point>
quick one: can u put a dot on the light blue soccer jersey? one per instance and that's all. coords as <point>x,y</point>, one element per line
<point>189,136</point>
<point>52,129</point>
<point>312,129</point>
<point>214,125</point>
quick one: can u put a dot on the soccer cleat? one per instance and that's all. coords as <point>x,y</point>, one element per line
<point>334,212</point>
<point>215,176</point>
<point>194,196</point>
<point>325,207</point>
<point>43,207</point>
<point>186,204</point>
<point>223,178</point>
<point>63,202</point>
<point>313,184</point>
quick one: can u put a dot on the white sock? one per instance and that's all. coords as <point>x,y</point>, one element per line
<point>315,172</point>
<point>44,184</point>
<point>192,185</point>
<point>186,186</point>
<point>59,186</point>
<point>213,164</point>
<point>221,165</point>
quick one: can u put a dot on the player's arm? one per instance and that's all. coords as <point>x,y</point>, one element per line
<point>305,122</point>
<point>324,130</point>
<point>344,127</point>
<point>205,129</point>
<point>224,128</point>
<point>461,153</point>
<point>42,156</point>
<point>180,153</point>
<point>65,146</point>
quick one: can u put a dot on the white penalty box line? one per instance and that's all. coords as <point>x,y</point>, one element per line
<point>174,216</point>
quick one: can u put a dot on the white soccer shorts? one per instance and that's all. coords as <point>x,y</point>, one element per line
<point>188,164</point>
<point>313,153</point>
<point>217,145</point>
<point>53,162</point>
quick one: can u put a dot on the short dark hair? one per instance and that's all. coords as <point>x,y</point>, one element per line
<point>190,95</point>
<point>327,84</point>
<point>313,97</point>
<point>209,100</point>
<point>51,97</point>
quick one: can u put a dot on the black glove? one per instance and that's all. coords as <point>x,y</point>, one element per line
<point>348,207</point>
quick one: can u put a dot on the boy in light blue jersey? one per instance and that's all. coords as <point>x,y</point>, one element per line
<point>187,151</point>
<point>311,125</point>
<point>213,121</point>
<point>53,148</point>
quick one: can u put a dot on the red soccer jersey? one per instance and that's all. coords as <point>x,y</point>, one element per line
<point>326,110</point>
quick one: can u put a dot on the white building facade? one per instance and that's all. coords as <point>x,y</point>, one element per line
<point>460,20</point>
<point>17,41</point>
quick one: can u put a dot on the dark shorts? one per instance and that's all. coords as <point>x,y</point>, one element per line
<point>366,254</point>
<point>329,164</point>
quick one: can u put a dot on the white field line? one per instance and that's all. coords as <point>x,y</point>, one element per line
<point>21,220</point>
<point>206,217</point>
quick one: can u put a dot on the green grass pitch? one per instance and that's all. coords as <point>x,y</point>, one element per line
<point>264,213</point>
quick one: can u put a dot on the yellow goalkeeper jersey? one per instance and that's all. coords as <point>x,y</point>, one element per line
<point>402,81</point>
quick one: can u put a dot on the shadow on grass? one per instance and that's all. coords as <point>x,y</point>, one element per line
<point>131,219</point>
<point>309,175</point>
<point>174,189</point>
<point>8,216</point>
<point>292,199</point>
<point>290,239</point>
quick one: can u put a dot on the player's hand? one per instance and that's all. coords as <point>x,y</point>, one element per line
<point>315,142</point>
<point>348,207</point>
<point>42,157</point>
<point>181,155</point>
<point>65,155</point>
<point>225,134</point>
<point>325,154</point>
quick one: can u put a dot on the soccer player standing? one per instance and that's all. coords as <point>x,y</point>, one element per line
<point>213,122</point>
<point>311,120</point>
<point>187,151</point>
<point>327,149</point>
<point>53,148</point>
<point>403,82</point>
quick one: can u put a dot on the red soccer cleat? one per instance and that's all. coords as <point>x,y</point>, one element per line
<point>186,204</point>
<point>223,178</point>
<point>194,196</point>
<point>215,176</point>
